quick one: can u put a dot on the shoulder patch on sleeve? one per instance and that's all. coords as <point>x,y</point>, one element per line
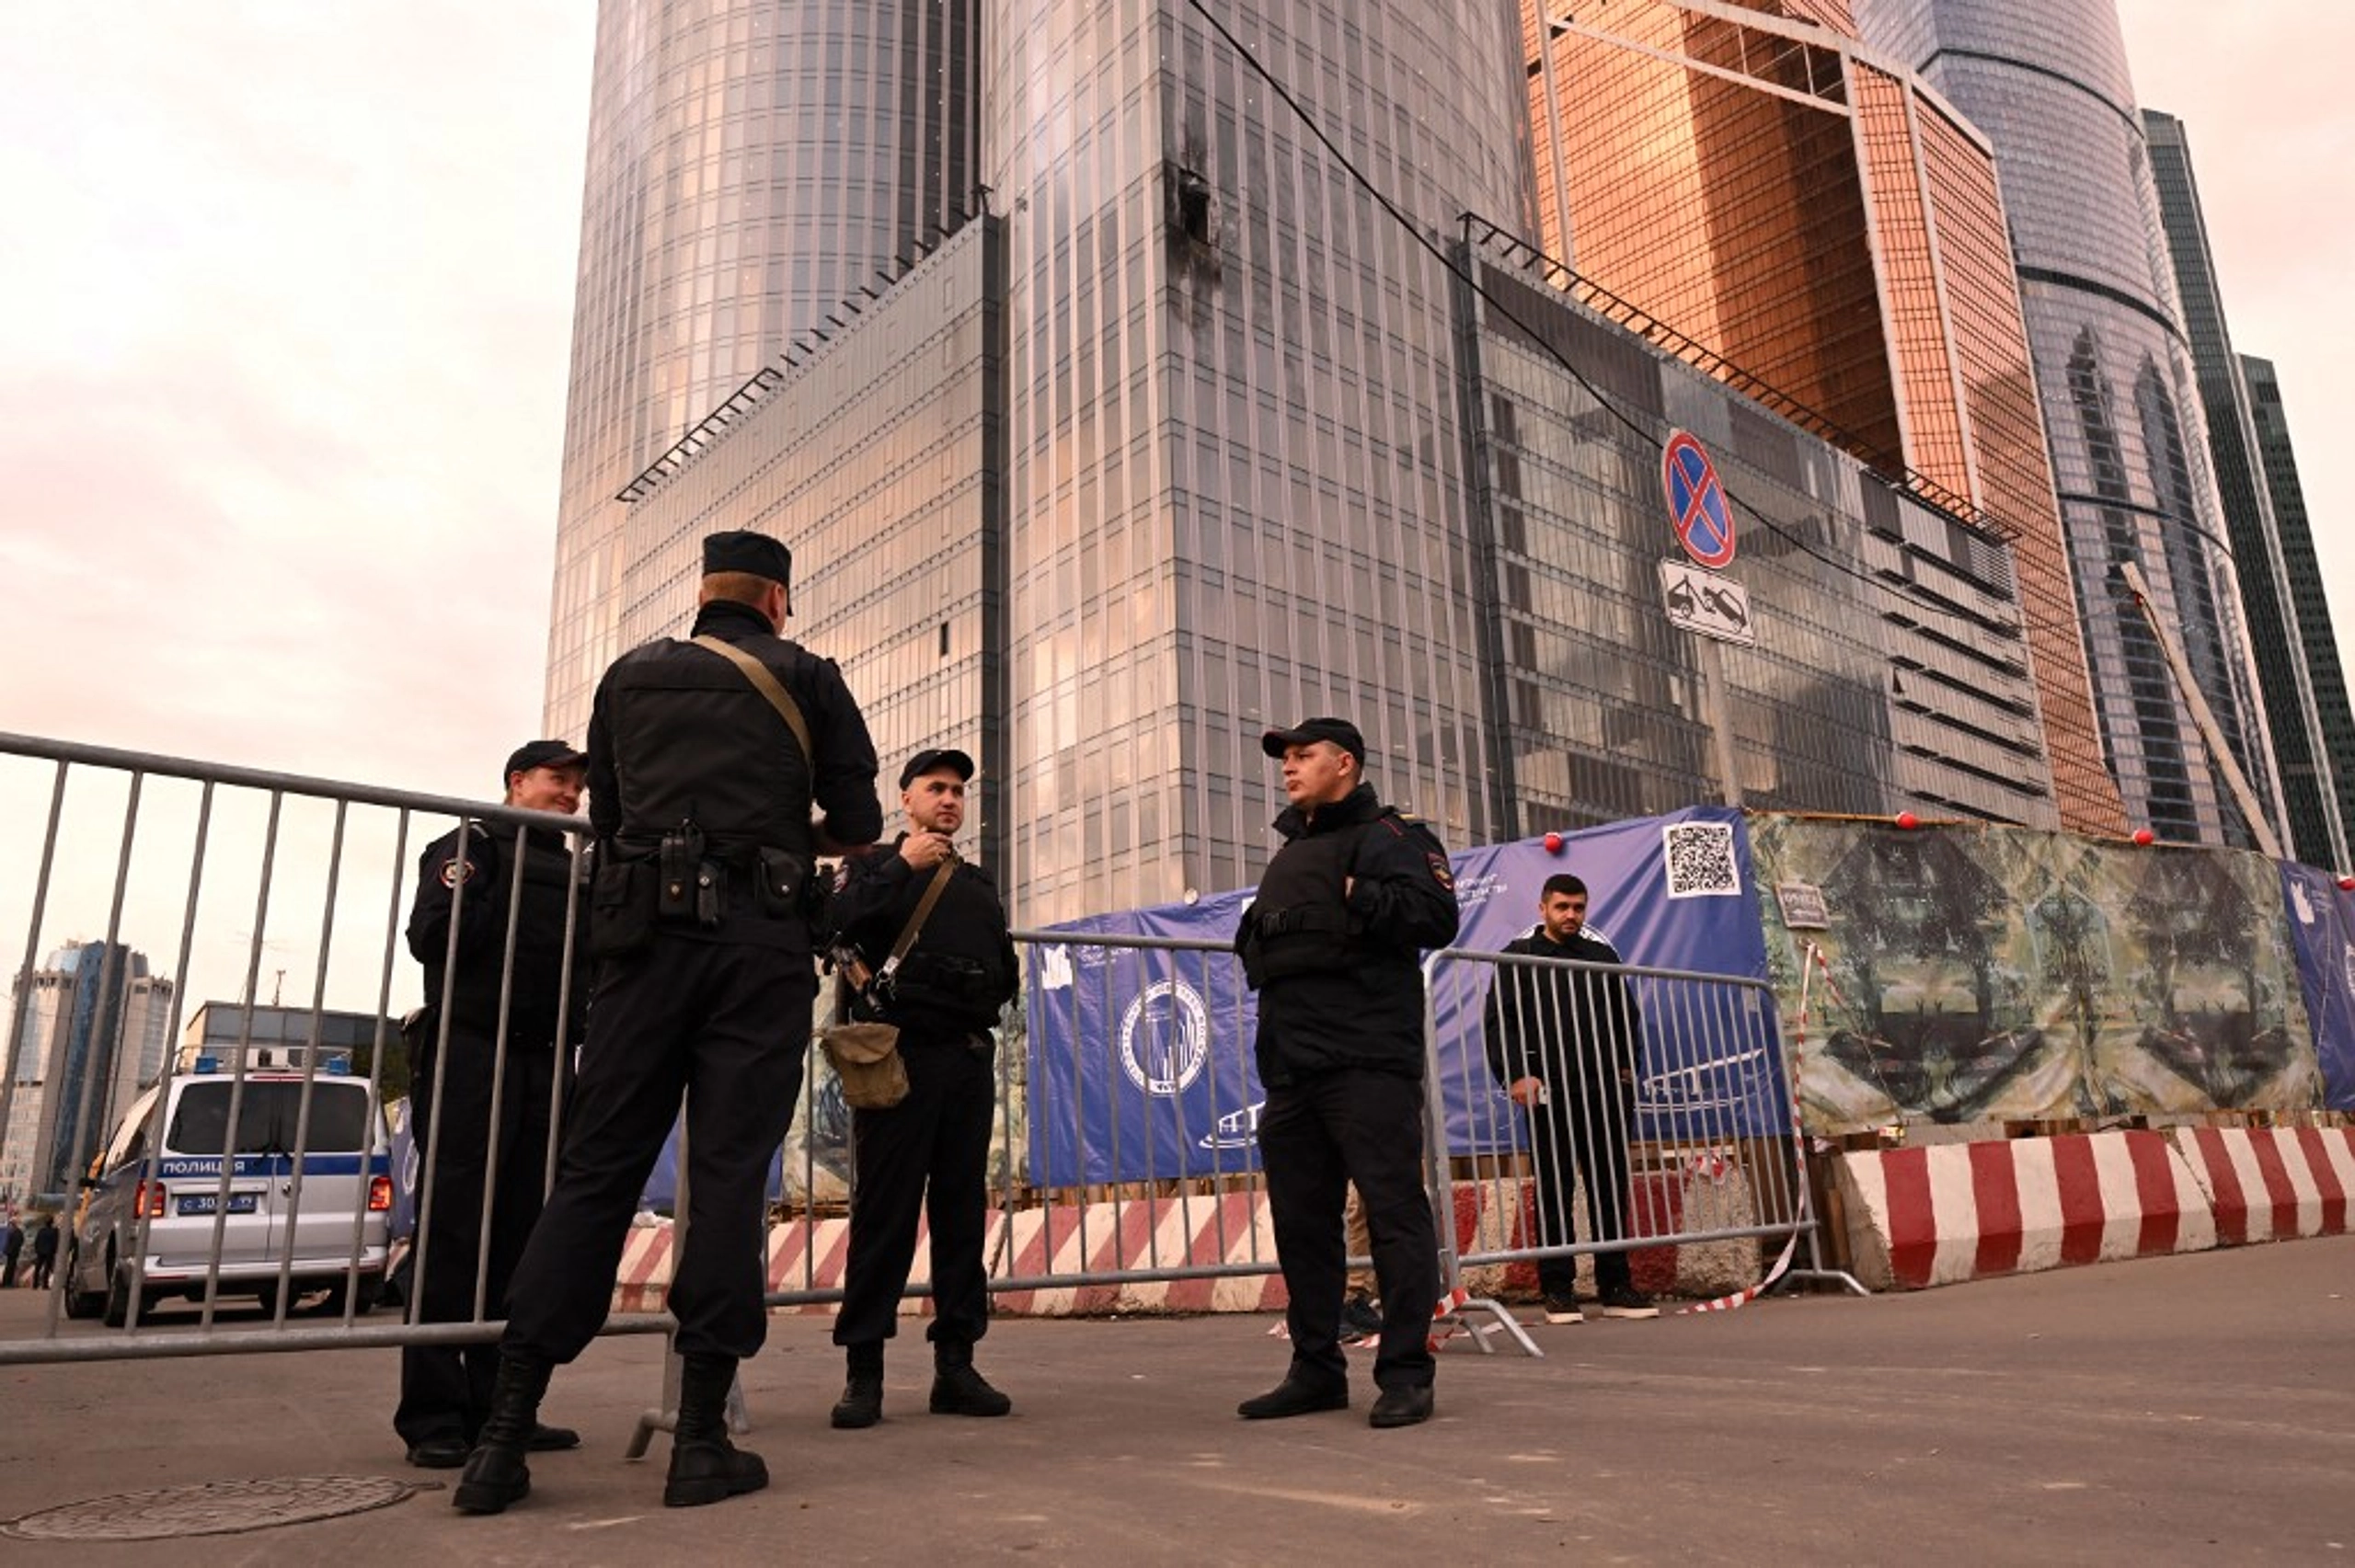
<point>454,870</point>
<point>1441,872</point>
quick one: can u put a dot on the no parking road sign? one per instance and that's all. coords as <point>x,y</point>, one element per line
<point>1696,502</point>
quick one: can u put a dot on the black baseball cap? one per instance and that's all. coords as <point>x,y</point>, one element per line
<point>932,759</point>
<point>542,754</point>
<point>1309,731</point>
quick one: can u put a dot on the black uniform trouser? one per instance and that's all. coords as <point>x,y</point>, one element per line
<point>727,1025</point>
<point>928,1155</point>
<point>1315,1138</point>
<point>445,1389</point>
<point>1581,1133</point>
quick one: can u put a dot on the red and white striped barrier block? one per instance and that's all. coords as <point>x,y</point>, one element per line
<point>1957,1211</point>
<point>1100,1238</point>
<point>2273,1184</point>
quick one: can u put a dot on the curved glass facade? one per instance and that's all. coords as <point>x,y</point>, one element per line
<point>2045,82</point>
<point>1801,206</point>
<point>753,166</point>
<point>1235,447</point>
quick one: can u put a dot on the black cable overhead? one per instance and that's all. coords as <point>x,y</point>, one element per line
<point>1470,279</point>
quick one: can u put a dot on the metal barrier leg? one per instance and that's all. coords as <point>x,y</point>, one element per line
<point>664,1417</point>
<point>1456,1307</point>
<point>1815,1269</point>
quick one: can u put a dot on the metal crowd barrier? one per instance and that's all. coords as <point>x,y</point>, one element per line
<point>1608,1109</point>
<point>1123,1176</point>
<point>242,1131</point>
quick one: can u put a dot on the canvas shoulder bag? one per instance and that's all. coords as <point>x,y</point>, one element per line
<point>865,1057</point>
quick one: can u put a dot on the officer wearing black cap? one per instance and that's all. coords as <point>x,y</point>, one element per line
<point>1332,944</point>
<point>706,760</point>
<point>929,1154</point>
<point>445,1389</point>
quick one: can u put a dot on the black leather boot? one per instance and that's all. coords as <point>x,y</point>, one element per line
<point>862,1401</point>
<point>705,1466</point>
<point>496,1474</point>
<point>957,1388</point>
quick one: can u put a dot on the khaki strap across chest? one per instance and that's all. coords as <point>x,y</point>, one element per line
<point>765,682</point>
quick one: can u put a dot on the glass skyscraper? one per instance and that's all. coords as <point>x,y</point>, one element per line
<point>2278,461</point>
<point>1827,234</point>
<point>92,1028</point>
<point>753,169</point>
<point>2275,636</point>
<point>1235,454</point>
<point>1186,437</point>
<point>2046,82</point>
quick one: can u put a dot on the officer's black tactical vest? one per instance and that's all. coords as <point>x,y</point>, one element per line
<point>1300,924</point>
<point>548,887</point>
<point>693,741</point>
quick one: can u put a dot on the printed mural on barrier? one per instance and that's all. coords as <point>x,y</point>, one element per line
<point>2008,974</point>
<point>1142,1060</point>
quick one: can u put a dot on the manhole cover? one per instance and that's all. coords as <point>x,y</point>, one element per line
<point>219,1507</point>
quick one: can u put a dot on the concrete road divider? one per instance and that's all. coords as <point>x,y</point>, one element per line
<point>1957,1211</point>
<point>2273,1184</point>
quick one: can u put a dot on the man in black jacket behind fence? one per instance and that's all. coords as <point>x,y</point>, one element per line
<point>1332,944</point>
<point>929,1154</point>
<point>1567,1045</point>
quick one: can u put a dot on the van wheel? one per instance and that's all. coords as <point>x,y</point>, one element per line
<point>118,1303</point>
<point>80,1303</point>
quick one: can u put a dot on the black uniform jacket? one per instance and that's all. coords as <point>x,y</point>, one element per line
<point>1350,993</point>
<point>1563,1026</point>
<point>678,734</point>
<point>486,867</point>
<point>960,972</point>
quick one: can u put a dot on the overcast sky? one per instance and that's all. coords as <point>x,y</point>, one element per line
<point>288,296</point>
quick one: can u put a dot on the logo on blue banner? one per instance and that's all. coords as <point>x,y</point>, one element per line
<point>1164,1037</point>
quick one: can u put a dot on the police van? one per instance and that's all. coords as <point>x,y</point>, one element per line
<point>269,1227</point>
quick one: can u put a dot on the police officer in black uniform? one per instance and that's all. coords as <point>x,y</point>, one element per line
<point>1332,944</point>
<point>701,789</point>
<point>445,1389</point>
<point>928,1155</point>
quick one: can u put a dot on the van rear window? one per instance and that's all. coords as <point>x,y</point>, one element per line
<point>268,1119</point>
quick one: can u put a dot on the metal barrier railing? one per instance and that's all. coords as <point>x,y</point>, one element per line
<point>258,1163</point>
<point>1610,1109</point>
<point>1125,1157</point>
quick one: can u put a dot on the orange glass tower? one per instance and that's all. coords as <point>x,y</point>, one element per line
<point>1755,180</point>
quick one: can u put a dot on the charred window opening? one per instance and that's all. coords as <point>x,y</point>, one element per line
<point>1193,191</point>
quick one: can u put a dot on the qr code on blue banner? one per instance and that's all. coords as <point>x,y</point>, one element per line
<point>1700,859</point>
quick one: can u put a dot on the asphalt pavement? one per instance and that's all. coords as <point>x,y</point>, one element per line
<point>2176,1410</point>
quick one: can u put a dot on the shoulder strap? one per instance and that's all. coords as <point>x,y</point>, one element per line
<point>765,682</point>
<point>922,912</point>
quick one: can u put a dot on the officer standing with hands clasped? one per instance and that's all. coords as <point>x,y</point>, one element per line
<point>705,759</point>
<point>1332,944</point>
<point>445,1389</point>
<point>928,1155</point>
